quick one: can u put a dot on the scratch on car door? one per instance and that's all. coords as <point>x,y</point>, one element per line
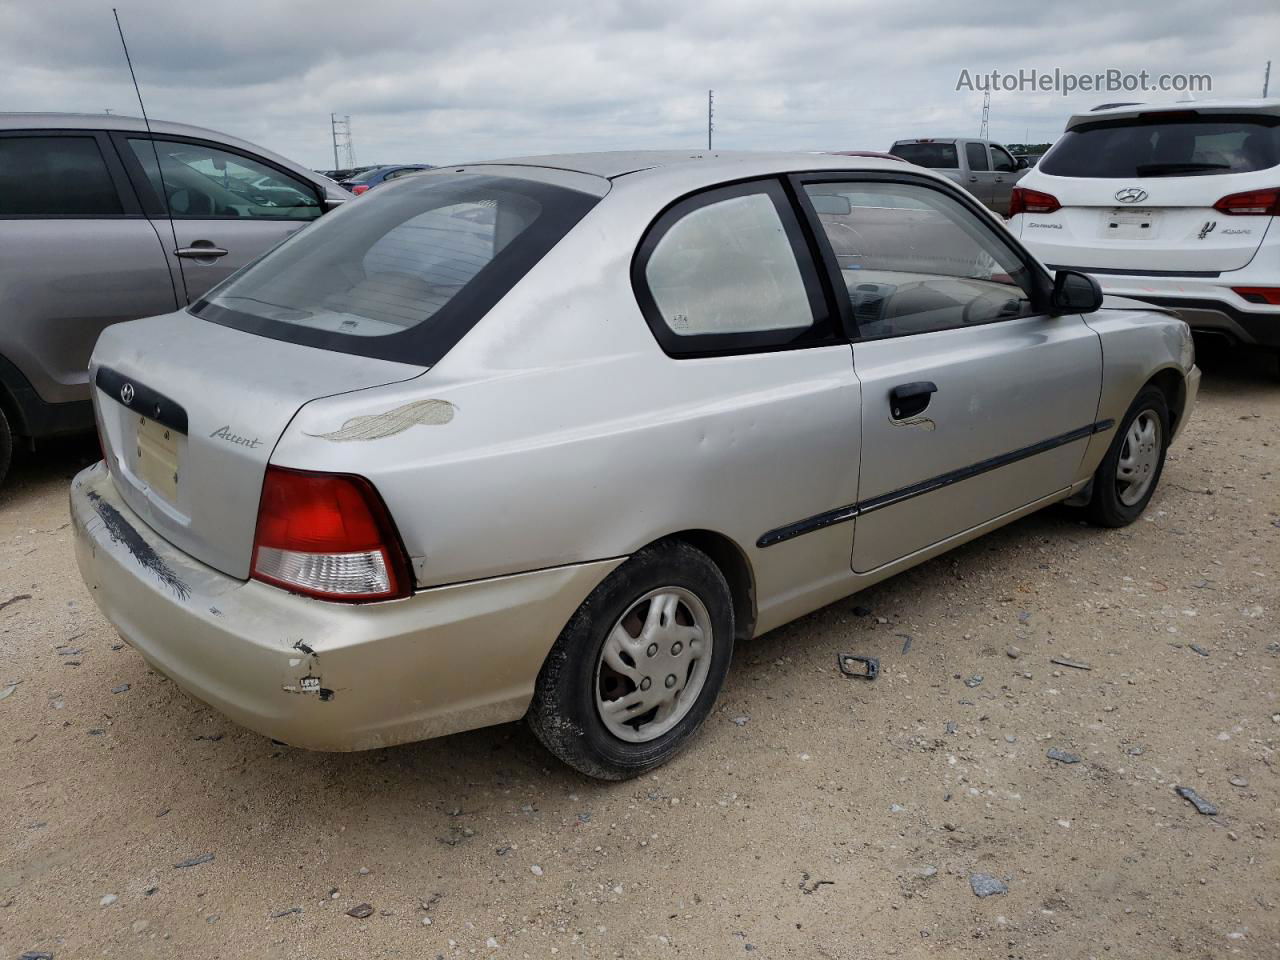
<point>424,413</point>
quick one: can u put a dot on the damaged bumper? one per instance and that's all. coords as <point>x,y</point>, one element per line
<point>325,676</point>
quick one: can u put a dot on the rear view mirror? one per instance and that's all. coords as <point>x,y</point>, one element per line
<point>1074,292</point>
<point>834,204</point>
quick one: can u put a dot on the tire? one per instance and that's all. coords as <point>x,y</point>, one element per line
<point>578,679</point>
<point>6,445</point>
<point>1118,494</point>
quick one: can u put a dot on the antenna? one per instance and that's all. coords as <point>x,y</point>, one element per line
<point>164,190</point>
<point>711,96</point>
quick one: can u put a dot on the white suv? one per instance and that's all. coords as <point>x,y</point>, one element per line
<point>1174,204</point>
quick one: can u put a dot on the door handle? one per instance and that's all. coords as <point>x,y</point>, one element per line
<point>909,399</point>
<point>201,253</point>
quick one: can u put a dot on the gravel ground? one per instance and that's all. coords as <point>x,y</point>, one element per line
<point>816,816</point>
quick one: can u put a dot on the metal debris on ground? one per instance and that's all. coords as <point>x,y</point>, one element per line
<point>1196,648</point>
<point>1062,756</point>
<point>848,664</point>
<point>906,642</point>
<point>1202,805</point>
<point>985,885</point>
<point>1073,664</point>
<point>194,861</point>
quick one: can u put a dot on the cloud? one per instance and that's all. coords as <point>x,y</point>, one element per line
<point>443,82</point>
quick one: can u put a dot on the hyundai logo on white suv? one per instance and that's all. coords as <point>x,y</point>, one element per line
<point>1131,195</point>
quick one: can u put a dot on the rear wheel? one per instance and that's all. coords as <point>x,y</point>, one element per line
<point>1128,475</point>
<point>636,671</point>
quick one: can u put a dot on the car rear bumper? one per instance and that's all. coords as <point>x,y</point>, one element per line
<point>314,674</point>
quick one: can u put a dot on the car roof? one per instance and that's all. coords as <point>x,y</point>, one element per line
<point>1125,111</point>
<point>709,165</point>
<point>127,124</point>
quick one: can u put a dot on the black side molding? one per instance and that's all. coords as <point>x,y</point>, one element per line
<point>842,514</point>
<point>141,399</point>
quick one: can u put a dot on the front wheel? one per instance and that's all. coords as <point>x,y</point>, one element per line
<point>637,669</point>
<point>1128,475</point>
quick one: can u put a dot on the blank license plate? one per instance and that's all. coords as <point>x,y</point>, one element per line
<point>158,458</point>
<point>1129,224</point>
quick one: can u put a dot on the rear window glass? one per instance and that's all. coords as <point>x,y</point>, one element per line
<point>55,177</point>
<point>403,275</point>
<point>940,156</point>
<point>1152,147</point>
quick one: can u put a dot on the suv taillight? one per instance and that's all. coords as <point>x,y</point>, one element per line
<point>328,535</point>
<point>360,188</point>
<point>1023,200</point>
<point>1263,203</point>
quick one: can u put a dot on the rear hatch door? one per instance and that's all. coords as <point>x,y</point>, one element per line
<point>1138,191</point>
<point>189,412</point>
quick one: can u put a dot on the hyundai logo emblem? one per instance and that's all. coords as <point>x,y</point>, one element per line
<point>126,394</point>
<point>1131,195</point>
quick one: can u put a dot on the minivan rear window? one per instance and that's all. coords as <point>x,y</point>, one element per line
<point>404,275</point>
<point>1156,145</point>
<point>939,156</point>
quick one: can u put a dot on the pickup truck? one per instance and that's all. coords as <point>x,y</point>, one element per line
<point>985,169</point>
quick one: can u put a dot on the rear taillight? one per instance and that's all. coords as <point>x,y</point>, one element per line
<point>328,535</point>
<point>1032,201</point>
<point>1269,295</point>
<point>1257,203</point>
<point>360,188</point>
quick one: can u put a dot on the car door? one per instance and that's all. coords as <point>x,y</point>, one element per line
<point>974,404</point>
<point>227,207</point>
<point>1004,174</point>
<point>980,180</point>
<point>76,254</point>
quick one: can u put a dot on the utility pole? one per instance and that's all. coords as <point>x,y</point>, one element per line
<point>1266,79</point>
<point>986,113</point>
<point>711,95</point>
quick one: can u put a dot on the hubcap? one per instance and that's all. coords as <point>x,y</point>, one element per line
<point>653,664</point>
<point>1139,458</point>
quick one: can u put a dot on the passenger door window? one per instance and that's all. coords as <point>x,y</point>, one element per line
<point>913,259</point>
<point>720,273</point>
<point>1002,161</point>
<point>203,182</point>
<point>55,177</point>
<point>976,154</point>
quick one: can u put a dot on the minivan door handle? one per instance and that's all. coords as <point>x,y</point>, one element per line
<point>909,399</point>
<point>201,253</point>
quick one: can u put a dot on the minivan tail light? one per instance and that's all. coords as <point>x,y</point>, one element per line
<point>1268,295</point>
<point>360,188</point>
<point>328,535</point>
<point>1265,203</point>
<point>1024,200</point>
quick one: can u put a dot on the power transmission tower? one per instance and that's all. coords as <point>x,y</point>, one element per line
<point>341,133</point>
<point>986,113</point>
<point>711,97</point>
<point>1266,79</point>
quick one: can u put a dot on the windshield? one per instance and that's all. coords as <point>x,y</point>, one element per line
<point>1157,146</point>
<point>939,156</point>
<point>400,275</point>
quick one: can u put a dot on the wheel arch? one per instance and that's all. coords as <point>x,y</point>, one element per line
<point>733,563</point>
<point>1172,383</point>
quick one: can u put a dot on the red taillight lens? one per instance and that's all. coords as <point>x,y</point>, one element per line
<point>328,535</point>
<point>360,188</point>
<point>1270,295</point>
<point>1257,203</point>
<point>1032,201</point>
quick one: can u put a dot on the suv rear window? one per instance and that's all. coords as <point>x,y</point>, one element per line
<point>939,156</point>
<point>1156,145</point>
<point>404,276</point>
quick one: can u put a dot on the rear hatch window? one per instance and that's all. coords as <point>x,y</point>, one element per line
<point>402,275</point>
<point>1166,145</point>
<point>939,156</point>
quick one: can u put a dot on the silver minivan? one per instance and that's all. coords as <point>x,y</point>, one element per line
<point>87,241</point>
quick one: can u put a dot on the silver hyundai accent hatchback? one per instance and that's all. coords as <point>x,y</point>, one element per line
<point>546,437</point>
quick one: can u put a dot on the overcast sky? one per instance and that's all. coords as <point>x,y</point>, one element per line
<point>440,82</point>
